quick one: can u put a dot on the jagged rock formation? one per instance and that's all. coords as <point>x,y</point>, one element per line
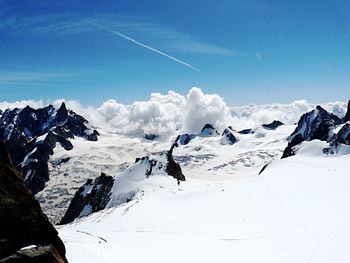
<point>347,115</point>
<point>96,194</point>
<point>342,137</point>
<point>172,168</point>
<point>32,134</point>
<point>316,124</point>
<point>228,137</point>
<point>22,222</point>
<point>273,125</point>
<point>93,196</point>
<point>246,131</point>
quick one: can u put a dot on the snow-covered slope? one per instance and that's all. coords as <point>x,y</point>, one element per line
<point>114,153</point>
<point>295,211</point>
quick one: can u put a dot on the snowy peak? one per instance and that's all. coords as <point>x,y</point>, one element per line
<point>209,130</point>
<point>273,125</point>
<point>316,124</point>
<point>228,137</point>
<point>31,135</point>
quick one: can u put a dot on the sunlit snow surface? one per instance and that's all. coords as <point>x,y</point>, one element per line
<point>203,157</point>
<point>295,211</point>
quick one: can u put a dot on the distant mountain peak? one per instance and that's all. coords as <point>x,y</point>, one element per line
<point>31,135</point>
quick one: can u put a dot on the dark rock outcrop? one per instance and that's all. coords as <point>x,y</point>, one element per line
<point>273,125</point>
<point>342,137</point>
<point>209,130</point>
<point>246,131</point>
<point>22,222</point>
<point>316,124</point>
<point>186,138</point>
<point>173,168</point>
<point>93,196</point>
<point>150,136</point>
<point>228,137</point>
<point>32,134</point>
<point>347,115</point>
<point>263,168</point>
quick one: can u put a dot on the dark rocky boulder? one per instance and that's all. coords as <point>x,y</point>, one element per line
<point>347,115</point>
<point>246,131</point>
<point>22,222</point>
<point>32,134</point>
<point>316,124</point>
<point>93,196</point>
<point>228,137</point>
<point>273,125</point>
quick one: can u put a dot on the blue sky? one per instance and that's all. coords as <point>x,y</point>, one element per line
<point>246,51</point>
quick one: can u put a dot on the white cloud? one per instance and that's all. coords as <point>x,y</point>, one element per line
<point>173,113</point>
<point>21,104</point>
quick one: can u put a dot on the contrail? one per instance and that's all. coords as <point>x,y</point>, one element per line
<point>144,45</point>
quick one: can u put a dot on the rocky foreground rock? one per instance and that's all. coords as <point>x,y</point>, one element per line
<point>22,222</point>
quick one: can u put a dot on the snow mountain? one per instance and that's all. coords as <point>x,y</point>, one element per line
<point>32,134</point>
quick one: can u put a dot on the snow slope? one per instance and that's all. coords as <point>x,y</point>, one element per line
<point>114,153</point>
<point>295,211</point>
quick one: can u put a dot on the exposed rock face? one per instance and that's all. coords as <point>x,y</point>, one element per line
<point>347,115</point>
<point>228,137</point>
<point>273,125</point>
<point>172,168</point>
<point>208,130</point>
<point>186,138</point>
<point>246,131</point>
<point>93,196</point>
<point>316,124</point>
<point>22,222</point>
<point>342,137</point>
<point>32,134</point>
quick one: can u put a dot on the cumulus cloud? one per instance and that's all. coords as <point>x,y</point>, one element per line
<point>173,113</point>
<point>203,108</point>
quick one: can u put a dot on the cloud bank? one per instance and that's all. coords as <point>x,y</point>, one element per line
<point>171,113</point>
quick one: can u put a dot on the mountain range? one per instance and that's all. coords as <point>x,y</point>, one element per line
<point>206,195</point>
